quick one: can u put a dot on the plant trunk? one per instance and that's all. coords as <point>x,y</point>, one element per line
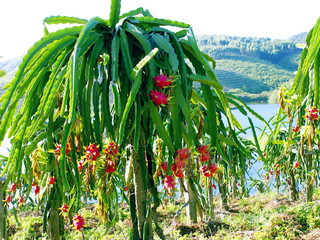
<point>223,191</point>
<point>210,197</point>
<point>234,186</point>
<point>293,187</point>
<point>309,191</point>
<point>154,192</point>
<point>309,194</point>
<point>3,214</point>
<point>244,191</point>
<point>133,214</point>
<point>190,197</point>
<point>53,224</point>
<point>277,182</point>
<point>54,220</point>
<point>181,189</point>
<point>141,197</point>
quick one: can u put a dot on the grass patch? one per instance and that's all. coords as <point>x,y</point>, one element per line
<point>263,216</point>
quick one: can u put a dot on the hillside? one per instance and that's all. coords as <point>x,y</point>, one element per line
<point>252,68</point>
<point>10,66</point>
<point>299,38</point>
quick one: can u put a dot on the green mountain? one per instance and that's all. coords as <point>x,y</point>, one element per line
<point>252,68</point>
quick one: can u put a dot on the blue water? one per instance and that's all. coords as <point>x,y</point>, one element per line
<point>264,110</point>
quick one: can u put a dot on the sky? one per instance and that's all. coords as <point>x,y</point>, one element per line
<point>21,21</point>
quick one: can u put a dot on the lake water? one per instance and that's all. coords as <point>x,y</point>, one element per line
<point>264,110</point>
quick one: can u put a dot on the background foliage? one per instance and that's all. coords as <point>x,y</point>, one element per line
<point>251,68</point>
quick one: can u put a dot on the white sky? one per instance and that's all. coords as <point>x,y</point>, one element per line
<point>21,20</point>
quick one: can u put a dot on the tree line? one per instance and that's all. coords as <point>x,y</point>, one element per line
<point>219,46</point>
